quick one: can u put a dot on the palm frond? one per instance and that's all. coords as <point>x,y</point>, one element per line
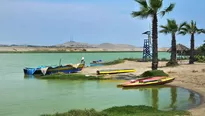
<point>182,25</point>
<point>172,25</point>
<point>164,27</point>
<point>143,3</point>
<point>188,28</point>
<point>193,27</point>
<point>164,31</point>
<point>156,4</point>
<point>182,32</point>
<point>168,9</point>
<point>144,13</point>
<point>184,29</point>
<point>199,31</point>
<point>202,30</point>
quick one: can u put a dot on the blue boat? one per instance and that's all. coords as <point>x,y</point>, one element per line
<point>48,70</point>
<point>97,63</point>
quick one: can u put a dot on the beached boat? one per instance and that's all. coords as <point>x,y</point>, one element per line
<point>97,63</point>
<point>147,82</point>
<point>115,71</point>
<point>47,70</point>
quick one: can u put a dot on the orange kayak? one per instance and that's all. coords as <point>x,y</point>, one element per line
<point>147,81</point>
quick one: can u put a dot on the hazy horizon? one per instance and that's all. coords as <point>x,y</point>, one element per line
<point>51,22</point>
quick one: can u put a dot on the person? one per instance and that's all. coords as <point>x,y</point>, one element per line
<point>82,60</point>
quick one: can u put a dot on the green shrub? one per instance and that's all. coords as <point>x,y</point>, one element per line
<point>164,59</point>
<point>122,111</point>
<point>72,77</point>
<point>200,58</point>
<point>85,112</point>
<point>170,63</point>
<point>141,111</point>
<point>114,62</point>
<point>132,59</point>
<point>153,73</point>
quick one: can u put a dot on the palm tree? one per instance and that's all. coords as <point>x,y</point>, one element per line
<point>191,29</point>
<point>171,28</point>
<point>152,9</point>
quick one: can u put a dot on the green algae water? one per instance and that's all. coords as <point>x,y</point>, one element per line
<point>32,97</point>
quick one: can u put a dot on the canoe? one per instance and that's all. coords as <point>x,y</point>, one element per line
<point>147,81</point>
<point>115,71</point>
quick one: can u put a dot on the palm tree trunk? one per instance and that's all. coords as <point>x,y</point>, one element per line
<point>174,50</point>
<point>191,58</point>
<point>154,42</point>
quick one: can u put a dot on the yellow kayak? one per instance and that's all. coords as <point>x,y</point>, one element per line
<point>147,81</point>
<point>115,71</point>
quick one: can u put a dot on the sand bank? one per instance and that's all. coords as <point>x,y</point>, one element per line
<point>188,76</point>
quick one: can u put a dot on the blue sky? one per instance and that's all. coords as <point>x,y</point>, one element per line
<point>49,22</point>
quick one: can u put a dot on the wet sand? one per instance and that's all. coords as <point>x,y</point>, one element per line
<point>188,76</point>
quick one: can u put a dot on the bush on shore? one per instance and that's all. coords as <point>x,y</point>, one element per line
<point>62,76</point>
<point>122,111</point>
<point>153,73</point>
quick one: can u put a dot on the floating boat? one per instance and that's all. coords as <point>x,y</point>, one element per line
<point>115,71</point>
<point>97,63</point>
<point>47,70</point>
<point>147,81</point>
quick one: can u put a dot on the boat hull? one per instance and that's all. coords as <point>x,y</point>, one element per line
<point>53,70</point>
<point>114,71</point>
<point>159,81</point>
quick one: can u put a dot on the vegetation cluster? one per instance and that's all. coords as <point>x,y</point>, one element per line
<point>122,111</point>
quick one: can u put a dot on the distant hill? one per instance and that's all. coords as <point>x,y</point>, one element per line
<point>103,45</point>
<point>115,46</point>
<point>74,44</point>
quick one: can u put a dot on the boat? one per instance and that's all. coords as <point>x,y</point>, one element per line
<point>114,71</point>
<point>147,82</point>
<point>97,63</point>
<point>48,70</point>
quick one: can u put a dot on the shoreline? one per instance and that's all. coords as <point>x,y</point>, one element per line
<point>68,51</point>
<point>191,77</point>
<point>200,94</point>
<point>196,111</point>
<point>24,49</point>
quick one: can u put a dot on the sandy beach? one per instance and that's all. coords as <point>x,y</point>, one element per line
<point>187,76</point>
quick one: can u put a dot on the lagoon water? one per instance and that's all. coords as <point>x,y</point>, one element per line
<point>32,97</point>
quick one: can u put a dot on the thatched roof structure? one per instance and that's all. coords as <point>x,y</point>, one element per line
<point>180,48</point>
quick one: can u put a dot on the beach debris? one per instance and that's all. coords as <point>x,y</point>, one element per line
<point>171,72</point>
<point>194,71</point>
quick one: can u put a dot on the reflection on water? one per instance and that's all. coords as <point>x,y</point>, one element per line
<point>155,98</point>
<point>192,99</point>
<point>173,98</point>
<point>36,96</point>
